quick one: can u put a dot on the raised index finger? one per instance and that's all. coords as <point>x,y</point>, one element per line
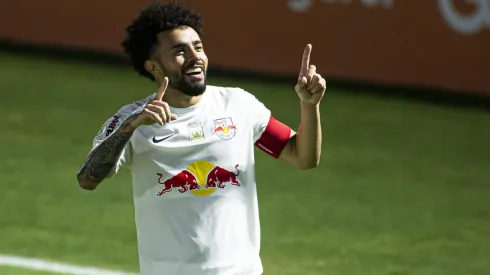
<point>305,62</point>
<point>162,89</point>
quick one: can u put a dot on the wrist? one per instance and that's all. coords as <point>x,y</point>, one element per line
<point>309,106</point>
<point>129,125</point>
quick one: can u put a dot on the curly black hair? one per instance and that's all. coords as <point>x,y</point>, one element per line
<point>153,19</point>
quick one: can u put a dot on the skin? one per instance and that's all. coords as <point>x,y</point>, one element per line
<point>176,51</point>
<point>304,148</point>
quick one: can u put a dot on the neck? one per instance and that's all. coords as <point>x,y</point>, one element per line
<point>177,99</point>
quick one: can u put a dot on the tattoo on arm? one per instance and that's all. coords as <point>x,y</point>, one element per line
<point>102,160</point>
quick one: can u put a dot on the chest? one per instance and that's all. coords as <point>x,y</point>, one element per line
<point>196,155</point>
<point>212,135</point>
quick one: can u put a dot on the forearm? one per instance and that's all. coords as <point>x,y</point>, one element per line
<point>309,136</point>
<point>102,160</point>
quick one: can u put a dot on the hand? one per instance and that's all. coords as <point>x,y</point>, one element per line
<point>311,86</point>
<point>156,111</point>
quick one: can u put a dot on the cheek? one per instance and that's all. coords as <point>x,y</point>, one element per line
<point>174,66</point>
<point>204,59</point>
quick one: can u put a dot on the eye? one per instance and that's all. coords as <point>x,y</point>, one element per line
<point>198,47</point>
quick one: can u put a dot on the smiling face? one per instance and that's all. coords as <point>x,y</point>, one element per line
<point>179,55</point>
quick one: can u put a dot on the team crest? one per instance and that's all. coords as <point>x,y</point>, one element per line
<point>224,128</point>
<point>196,132</point>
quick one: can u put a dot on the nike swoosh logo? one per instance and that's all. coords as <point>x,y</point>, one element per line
<point>155,140</point>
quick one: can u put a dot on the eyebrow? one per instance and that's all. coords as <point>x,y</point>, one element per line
<point>182,45</point>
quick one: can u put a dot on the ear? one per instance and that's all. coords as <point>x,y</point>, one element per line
<point>153,68</point>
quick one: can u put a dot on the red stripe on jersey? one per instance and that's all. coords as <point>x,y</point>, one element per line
<point>274,138</point>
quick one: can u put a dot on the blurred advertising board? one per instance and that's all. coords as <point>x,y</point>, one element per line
<point>429,43</point>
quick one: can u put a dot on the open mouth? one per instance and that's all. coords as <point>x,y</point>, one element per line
<point>194,73</point>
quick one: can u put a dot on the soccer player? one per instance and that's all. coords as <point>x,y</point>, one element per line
<point>190,149</point>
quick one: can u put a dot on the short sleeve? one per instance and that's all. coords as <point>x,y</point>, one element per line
<point>270,135</point>
<point>107,129</point>
<point>259,116</point>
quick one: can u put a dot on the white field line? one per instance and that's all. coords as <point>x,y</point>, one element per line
<point>54,267</point>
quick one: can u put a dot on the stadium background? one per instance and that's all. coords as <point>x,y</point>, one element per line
<point>403,186</point>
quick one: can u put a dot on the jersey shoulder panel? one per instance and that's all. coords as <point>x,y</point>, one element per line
<point>232,95</point>
<point>130,108</point>
<point>113,122</point>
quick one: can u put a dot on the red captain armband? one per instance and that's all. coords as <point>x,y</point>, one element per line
<point>274,138</point>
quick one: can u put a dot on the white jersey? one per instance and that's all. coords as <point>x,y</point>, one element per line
<point>194,183</point>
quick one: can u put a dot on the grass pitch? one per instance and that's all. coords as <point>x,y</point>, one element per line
<point>402,188</point>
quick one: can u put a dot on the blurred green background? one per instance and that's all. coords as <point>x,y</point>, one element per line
<point>402,188</point>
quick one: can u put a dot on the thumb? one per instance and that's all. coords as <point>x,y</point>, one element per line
<point>302,81</point>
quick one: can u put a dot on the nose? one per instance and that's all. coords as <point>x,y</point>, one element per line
<point>192,55</point>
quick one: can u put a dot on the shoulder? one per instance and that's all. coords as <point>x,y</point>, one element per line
<point>111,123</point>
<point>231,94</point>
<point>130,108</point>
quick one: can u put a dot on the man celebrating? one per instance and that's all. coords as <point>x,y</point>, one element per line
<point>190,148</point>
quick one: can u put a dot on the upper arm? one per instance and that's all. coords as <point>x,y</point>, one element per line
<point>288,154</point>
<point>271,135</point>
<point>106,130</point>
<point>274,137</point>
<point>279,141</point>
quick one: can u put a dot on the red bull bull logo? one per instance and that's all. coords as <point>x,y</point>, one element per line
<point>201,178</point>
<point>224,128</point>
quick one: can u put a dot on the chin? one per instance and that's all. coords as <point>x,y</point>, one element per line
<point>191,87</point>
<point>194,89</point>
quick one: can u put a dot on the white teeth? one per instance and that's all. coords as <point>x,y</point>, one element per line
<point>193,70</point>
